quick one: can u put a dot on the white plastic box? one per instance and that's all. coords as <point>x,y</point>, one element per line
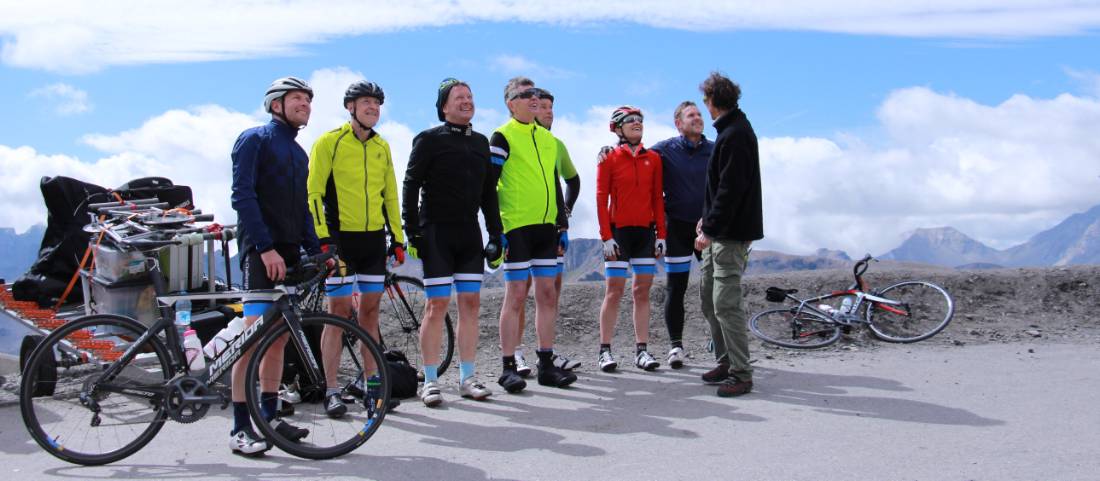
<point>136,299</point>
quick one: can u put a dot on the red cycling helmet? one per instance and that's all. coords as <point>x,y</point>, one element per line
<point>621,114</point>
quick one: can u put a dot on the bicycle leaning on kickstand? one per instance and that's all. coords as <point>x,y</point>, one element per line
<point>100,387</point>
<point>907,311</point>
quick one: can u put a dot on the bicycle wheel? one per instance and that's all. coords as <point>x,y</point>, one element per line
<point>399,321</point>
<point>799,330</point>
<point>924,311</point>
<point>328,437</point>
<point>79,420</point>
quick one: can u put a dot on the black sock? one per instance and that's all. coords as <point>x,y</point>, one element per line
<point>605,347</point>
<point>641,347</point>
<point>509,363</point>
<point>241,420</point>
<point>677,343</point>
<point>546,357</point>
<point>268,405</point>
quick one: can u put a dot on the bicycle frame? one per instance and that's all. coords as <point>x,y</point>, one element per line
<point>850,317</point>
<point>282,306</point>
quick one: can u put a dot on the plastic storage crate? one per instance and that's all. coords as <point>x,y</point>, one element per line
<point>135,298</point>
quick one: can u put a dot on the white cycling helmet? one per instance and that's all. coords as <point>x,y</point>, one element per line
<point>281,86</point>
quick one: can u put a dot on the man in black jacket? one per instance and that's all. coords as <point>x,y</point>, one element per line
<point>732,219</point>
<point>446,183</point>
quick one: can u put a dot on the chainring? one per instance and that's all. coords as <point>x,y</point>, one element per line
<point>177,408</point>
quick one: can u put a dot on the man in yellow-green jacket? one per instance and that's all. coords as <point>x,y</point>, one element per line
<point>523,157</point>
<point>352,193</point>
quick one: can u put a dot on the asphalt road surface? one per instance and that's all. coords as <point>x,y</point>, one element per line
<point>898,412</point>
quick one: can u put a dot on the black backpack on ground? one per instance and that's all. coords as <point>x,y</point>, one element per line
<point>402,375</point>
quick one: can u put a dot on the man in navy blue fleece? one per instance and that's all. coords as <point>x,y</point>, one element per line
<point>269,195</point>
<point>685,169</point>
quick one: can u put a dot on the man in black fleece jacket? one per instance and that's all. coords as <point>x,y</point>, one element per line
<point>446,183</point>
<point>732,219</point>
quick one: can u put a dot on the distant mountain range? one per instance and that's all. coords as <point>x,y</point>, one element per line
<point>19,251</point>
<point>1075,240</point>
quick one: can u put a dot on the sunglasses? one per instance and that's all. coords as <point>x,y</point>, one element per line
<point>527,94</point>
<point>629,119</point>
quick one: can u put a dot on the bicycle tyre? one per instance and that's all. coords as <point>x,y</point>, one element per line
<point>809,330</point>
<point>400,324</point>
<point>930,308</point>
<point>328,437</point>
<point>54,414</point>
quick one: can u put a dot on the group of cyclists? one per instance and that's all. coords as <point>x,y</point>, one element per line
<point>343,197</point>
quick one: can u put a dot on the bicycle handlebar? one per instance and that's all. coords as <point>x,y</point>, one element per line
<point>306,267</point>
<point>861,266</point>
<point>100,205</point>
<point>129,207</point>
<point>185,238</point>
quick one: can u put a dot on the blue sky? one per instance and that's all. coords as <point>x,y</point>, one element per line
<point>874,120</point>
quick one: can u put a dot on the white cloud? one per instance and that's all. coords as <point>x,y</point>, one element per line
<point>85,36</point>
<point>1089,80</point>
<point>1000,173</point>
<point>191,147</point>
<point>65,99</point>
<point>21,169</point>
<point>520,65</point>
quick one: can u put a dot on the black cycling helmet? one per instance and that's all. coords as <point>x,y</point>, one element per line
<point>281,86</point>
<point>364,88</point>
<point>445,91</point>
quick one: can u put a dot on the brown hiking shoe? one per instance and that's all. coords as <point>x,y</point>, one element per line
<point>732,387</point>
<point>717,375</point>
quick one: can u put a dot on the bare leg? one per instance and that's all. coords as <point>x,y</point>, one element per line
<point>331,337</point>
<point>431,329</point>
<point>609,311</point>
<point>368,320</point>
<point>523,313</point>
<point>546,312</point>
<point>642,284</point>
<point>469,303</point>
<point>515,293</point>
<point>271,366</point>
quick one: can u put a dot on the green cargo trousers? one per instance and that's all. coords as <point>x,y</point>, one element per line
<point>720,289</point>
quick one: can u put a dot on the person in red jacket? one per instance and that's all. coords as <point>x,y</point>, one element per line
<point>631,211</point>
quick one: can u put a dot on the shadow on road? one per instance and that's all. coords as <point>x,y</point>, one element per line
<point>283,466</point>
<point>832,393</point>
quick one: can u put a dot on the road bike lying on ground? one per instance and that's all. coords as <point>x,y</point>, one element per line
<point>100,387</point>
<point>908,311</point>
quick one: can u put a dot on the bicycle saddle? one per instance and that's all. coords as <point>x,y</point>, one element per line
<point>776,294</point>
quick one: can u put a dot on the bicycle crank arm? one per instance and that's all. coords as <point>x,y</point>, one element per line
<point>206,399</point>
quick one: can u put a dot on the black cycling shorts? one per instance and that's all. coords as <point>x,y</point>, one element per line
<point>362,264</point>
<point>532,251</point>
<point>254,275</point>
<point>635,251</point>
<point>453,255</point>
<point>680,245</point>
